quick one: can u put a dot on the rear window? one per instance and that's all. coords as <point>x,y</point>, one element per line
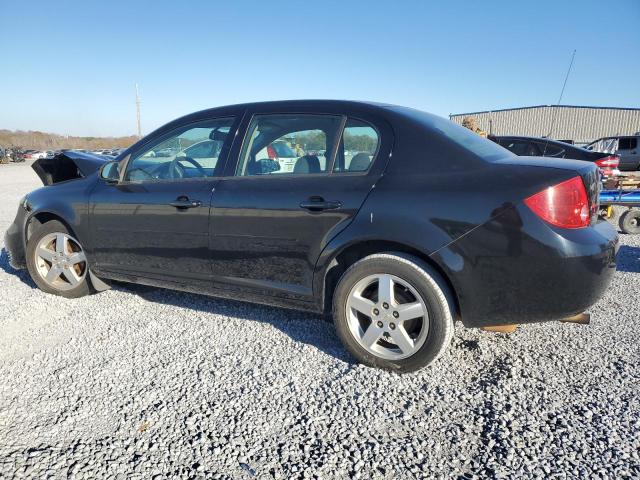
<point>482,147</point>
<point>551,150</point>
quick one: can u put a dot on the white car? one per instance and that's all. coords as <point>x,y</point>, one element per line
<point>35,154</point>
<point>281,153</point>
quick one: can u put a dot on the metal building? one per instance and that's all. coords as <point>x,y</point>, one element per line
<point>580,124</point>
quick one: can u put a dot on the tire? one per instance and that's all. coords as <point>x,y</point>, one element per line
<point>45,253</point>
<point>412,282</point>
<point>630,221</point>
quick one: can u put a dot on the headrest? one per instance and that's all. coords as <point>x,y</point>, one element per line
<point>360,162</point>
<point>218,135</point>
<point>307,164</point>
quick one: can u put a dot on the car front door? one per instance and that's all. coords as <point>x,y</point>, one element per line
<point>154,222</point>
<point>269,225</point>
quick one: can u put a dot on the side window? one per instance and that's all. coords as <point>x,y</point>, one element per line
<point>189,152</point>
<point>358,148</point>
<point>628,143</point>
<point>288,144</point>
<point>204,150</point>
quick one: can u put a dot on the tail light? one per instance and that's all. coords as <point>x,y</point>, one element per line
<point>608,164</point>
<point>564,205</point>
<point>272,152</point>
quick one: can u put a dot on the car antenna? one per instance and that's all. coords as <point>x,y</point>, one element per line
<point>555,112</point>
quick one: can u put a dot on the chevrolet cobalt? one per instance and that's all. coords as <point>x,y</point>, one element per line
<point>395,221</point>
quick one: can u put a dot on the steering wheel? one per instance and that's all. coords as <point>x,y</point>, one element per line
<point>176,170</point>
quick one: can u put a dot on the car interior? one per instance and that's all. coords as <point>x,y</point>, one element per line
<point>172,160</point>
<point>299,130</point>
<point>305,131</point>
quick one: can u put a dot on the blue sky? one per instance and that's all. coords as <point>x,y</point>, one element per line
<point>70,67</point>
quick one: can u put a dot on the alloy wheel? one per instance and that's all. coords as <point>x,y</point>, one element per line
<point>387,316</point>
<point>60,261</point>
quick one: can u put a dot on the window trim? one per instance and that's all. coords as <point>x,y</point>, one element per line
<point>233,128</point>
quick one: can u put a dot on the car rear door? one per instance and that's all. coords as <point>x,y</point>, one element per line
<point>154,223</point>
<point>268,228</point>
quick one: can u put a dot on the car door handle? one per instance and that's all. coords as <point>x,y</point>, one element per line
<point>318,204</point>
<point>185,203</point>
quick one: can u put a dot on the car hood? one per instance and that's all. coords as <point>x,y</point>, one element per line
<point>67,166</point>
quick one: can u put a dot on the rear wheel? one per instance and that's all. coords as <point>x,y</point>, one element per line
<point>393,311</point>
<point>56,261</point>
<point>630,221</point>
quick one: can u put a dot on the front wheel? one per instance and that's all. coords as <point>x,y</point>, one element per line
<point>56,261</point>
<point>394,312</point>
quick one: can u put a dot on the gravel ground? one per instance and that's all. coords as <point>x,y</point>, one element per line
<point>147,383</point>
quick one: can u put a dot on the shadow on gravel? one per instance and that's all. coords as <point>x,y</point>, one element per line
<point>300,326</point>
<point>22,275</point>
<point>628,259</point>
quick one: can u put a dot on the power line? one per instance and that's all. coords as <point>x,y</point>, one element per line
<point>138,111</point>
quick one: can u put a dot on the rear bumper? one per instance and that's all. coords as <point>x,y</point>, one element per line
<point>519,269</point>
<point>14,241</point>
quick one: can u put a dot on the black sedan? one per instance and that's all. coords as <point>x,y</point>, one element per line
<point>405,224</point>
<point>546,147</point>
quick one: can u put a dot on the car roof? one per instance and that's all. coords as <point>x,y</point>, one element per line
<point>328,102</point>
<point>617,136</point>
<point>289,104</point>
<point>274,105</point>
<point>394,115</point>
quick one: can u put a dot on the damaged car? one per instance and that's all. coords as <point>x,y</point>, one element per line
<point>405,224</point>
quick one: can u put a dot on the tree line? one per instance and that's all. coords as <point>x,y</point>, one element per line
<point>316,140</point>
<point>50,141</point>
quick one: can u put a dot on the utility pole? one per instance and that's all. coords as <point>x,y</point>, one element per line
<point>138,111</point>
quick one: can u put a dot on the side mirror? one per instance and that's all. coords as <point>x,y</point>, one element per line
<point>110,172</point>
